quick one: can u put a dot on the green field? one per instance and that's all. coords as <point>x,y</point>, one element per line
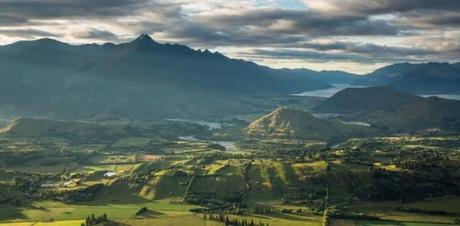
<point>390,180</point>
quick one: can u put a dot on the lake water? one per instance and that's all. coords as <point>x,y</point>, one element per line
<point>339,87</point>
<point>210,125</point>
<point>445,96</point>
<point>187,138</point>
<point>327,92</point>
<point>229,146</point>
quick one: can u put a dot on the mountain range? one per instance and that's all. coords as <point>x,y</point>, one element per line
<point>144,79</point>
<point>361,112</point>
<point>425,78</point>
<point>393,110</point>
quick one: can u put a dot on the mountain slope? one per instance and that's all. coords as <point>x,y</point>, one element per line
<point>427,113</point>
<point>141,79</point>
<point>84,132</point>
<point>428,78</point>
<point>28,127</point>
<point>393,110</point>
<point>293,123</point>
<point>353,100</point>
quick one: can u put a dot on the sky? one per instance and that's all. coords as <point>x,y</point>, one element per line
<point>351,35</point>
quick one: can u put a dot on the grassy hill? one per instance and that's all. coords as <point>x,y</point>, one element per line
<point>292,123</point>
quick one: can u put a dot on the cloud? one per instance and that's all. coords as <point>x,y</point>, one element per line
<point>414,12</point>
<point>346,52</point>
<point>27,33</point>
<point>369,49</point>
<point>94,33</point>
<point>358,31</point>
<point>303,54</point>
<point>52,9</point>
<point>380,6</point>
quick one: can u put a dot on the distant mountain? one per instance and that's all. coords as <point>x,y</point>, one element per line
<point>393,110</point>
<point>293,123</point>
<point>330,77</point>
<point>139,79</point>
<point>427,78</point>
<point>354,100</point>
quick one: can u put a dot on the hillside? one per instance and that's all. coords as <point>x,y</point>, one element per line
<point>140,79</point>
<point>426,78</point>
<point>28,127</point>
<point>427,113</point>
<point>83,132</point>
<point>393,110</point>
<point>355,100</point>
<point>297,124</point>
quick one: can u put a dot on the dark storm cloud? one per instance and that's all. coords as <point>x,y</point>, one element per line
<point>305,22</point>
<point>12,20</point>
<point>276,27</point>
<point>211,36</point>
<point>433,20</point>
<point>392,6</point>
<point>436,12</point>
<point>51,9</point>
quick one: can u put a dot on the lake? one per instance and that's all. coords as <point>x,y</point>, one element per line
<point>210,125</point>
<point>339,87</point>
<point>445,96</point>
<point>328,92</point>
<point>229,145</point>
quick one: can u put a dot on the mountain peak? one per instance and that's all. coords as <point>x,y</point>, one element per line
<point>144,36</point>
<point>144,39</point>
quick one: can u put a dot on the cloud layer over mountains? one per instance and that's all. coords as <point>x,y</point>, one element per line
<point>358,35</point>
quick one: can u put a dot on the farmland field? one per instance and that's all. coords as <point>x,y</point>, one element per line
<point>165,181</point>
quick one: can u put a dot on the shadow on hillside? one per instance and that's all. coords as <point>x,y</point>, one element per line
<point>287,217</point>
<point>151,214</point>
<point>9,212</point>
<point>373,223</point>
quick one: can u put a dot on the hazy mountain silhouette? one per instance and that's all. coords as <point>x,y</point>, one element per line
<point>142,78</point>
<point>393,110</point>
<point>427,78</point>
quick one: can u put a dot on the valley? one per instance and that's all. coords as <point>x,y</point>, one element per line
<point>135,131</point>
<point>65,171</point>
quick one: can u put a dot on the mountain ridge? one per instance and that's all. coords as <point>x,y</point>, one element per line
<point>394,110</point>
<point>141,78</point>
<point>423,78</point>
